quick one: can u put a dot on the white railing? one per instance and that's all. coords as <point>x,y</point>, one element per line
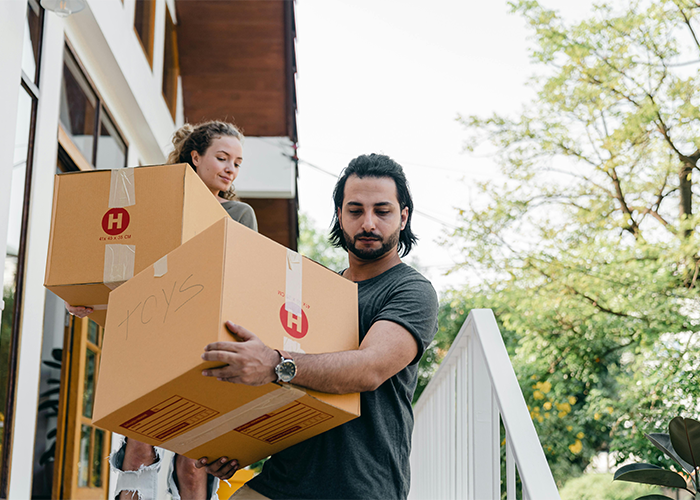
<point>456,440</point>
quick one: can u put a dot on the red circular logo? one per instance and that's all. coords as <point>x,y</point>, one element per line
<point>115,221</point>
<point>294,325</point>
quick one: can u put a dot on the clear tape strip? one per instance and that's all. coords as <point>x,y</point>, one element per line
<point>160,268</point>
<point>122,188</point>
<point>292,293</point>
<point>119,264</point>
<point>98,307</point>
<point>233,419</point>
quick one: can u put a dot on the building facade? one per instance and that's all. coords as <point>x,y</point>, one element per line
<point>105,88</point>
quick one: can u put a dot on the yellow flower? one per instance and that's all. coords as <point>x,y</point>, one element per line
<point>534,377</point>
<point>569,428</point>
<point>564,407</point>
<point>540,419</point>
<point>547,406</point>
<point>546,415</point>
<point>562,414</point>
<point>609,409</point>
<point>580,435</point>
<point>546,386</point>
<point>537,395</point>
<point>596,416</point>
<point>576,447</point>
<point>572,400</point>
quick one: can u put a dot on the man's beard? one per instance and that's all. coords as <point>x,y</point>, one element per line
<point>370,253</point>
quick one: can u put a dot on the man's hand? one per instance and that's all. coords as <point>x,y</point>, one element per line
<point>249,361</point>
<point>223,468</point>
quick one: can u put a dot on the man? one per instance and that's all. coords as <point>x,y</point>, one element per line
<point>367,457</point>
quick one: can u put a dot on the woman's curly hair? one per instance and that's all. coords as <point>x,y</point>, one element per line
<point>198,138</point>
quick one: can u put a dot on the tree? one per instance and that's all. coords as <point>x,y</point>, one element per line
<point>588,251</point>
<point>315,245</point>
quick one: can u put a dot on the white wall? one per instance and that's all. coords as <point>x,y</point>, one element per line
<point>106,43</point>
<point>267,170</point>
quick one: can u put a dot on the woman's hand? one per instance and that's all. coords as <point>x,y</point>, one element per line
<point>78,311</point>
<point>223,468</point>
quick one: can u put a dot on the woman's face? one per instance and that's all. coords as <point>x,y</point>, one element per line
<point>218,166</point>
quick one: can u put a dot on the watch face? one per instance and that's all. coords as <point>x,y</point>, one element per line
<point>286,370</point>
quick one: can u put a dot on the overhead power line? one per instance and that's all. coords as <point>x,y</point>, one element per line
<point>335,176</point>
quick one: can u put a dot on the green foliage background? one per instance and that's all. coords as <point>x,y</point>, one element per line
<point>588,251</point>
<point>314,244</point>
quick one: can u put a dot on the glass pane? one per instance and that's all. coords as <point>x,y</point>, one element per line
<point>78,106</point>
<point>9,288</point>
<point>111,150</point>
<point>144,18</point>
<point>93,332</point>
<point>32,34</point>
<point>170,64</point>
<point>97,458</point>
<point>84,461</point>
<point>55,317</point>
<point>89,383</point>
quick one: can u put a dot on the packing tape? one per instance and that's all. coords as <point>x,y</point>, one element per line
<point>233,419</point>
<point>122,188</point>
<point>160,267</point>
<point>119,264</point>
<point>98,307</point>
<point>292,293</point>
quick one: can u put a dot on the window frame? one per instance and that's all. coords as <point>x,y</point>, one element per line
<point>150,49</point>
<point>27,84</point>
<point>64,137</point>
<point>171,102</point>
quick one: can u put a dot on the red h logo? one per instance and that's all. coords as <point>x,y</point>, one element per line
<point>115,221</point>
<point>294,325</point>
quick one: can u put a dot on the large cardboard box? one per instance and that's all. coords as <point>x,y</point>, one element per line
<point>150,385</point>
<point>108,225</point>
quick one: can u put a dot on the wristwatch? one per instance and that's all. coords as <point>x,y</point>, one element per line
<point>286,369</point>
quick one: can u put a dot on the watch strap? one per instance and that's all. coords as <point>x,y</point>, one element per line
<point>284,355</point>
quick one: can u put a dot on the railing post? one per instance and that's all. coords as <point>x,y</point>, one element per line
<point>510,470</point>
<point>484,456</point>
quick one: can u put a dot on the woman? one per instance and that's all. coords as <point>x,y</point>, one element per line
<point>215,151</point>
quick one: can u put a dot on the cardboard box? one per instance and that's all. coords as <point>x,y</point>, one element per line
<point>108,225</point>
<point>150,385</point>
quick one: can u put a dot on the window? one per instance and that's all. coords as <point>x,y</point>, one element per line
<point>78,108</point>
<point>111,150</point>
<point>93,138</point>
<point>32,38</point>
<point>13,272</point>
<point>171,64</point>
<point>144,24</point>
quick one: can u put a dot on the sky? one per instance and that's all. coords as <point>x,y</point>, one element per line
<point>391,77</point>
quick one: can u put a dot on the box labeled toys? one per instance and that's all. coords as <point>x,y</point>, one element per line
<point>150,385</point>
<point>108,225</point>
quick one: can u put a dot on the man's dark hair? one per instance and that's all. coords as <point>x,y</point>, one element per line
<point>374,165</point>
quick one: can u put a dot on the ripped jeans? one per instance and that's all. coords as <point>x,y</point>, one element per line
<point>144,482</point>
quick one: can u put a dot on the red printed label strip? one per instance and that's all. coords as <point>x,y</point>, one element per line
<point>283,423</point>
<point>169,419</point>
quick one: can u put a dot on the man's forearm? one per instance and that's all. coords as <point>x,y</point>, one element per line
<point>336,373</point>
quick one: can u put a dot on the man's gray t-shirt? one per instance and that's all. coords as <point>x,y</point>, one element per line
<point>367,457</point>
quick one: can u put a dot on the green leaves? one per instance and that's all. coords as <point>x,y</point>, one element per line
<point>663,442</point>
<point>649,474</point>
<point>583,251</point>
<point>685,437</point>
